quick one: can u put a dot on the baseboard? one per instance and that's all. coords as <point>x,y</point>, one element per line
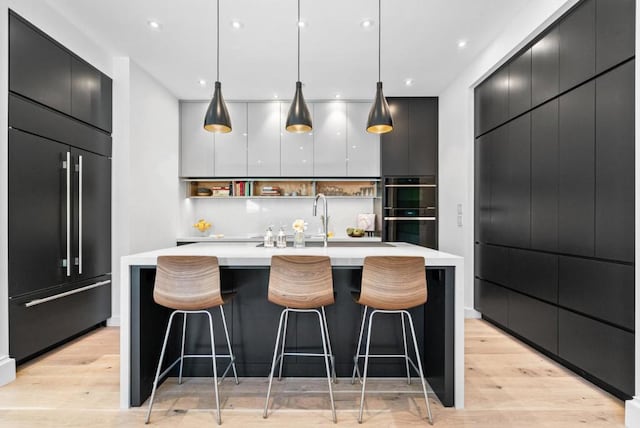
<point>7,370</point>
<point>472,313</point>
<point>114,321</point>
<point>632,413</point>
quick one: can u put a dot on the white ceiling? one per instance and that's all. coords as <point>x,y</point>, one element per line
<point>419,41</point>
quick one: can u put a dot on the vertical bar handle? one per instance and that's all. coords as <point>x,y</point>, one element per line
<point>67,166</point>
<point>80,215</point>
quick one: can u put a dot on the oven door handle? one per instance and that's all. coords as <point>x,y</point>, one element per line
<point>409,218</point>
<point>410,185</point>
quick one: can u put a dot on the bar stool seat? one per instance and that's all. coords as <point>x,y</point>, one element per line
<point>391,285</point>
<point>191,285</point>
<point>302,284</point>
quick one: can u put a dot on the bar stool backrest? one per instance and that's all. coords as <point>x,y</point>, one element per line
<point>188,283</point>
<point>393,282</point>
<point>301,282</point>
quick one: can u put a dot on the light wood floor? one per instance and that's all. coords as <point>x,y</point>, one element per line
<point>507,385</point>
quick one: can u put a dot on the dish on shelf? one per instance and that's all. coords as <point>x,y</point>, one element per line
<point>355,232</point>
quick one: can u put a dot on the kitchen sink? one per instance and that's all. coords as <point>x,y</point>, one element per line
<point>340,244</point>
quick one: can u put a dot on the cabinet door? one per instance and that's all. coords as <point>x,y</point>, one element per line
<point>483,188</point>
<point>38,68</point>
<point>296,150</point>
<point>545,67</point>
<point>615,144</point>
<point>498,98</point>
<point>578,45</point>
<point>423,136</point>
<point>196,144</point>
<point>520,84</point>
<point>615,32</point>
<point>498,232</point>
<point>363,148</point>
<point>534,320</point>
<point>90,95</point>
<point>330,139</point>
<point>544,177</point>
<point>394,145</point>
<point>92,214</point>
<point>492,301</point>
<point>37,213</point>
<point>264,139</point>
<point>481,108</point>
<point>576,178</point>
<point>230,150</point>
<point>534,273</point>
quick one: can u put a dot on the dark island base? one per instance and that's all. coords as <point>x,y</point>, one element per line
<point>253,321</point>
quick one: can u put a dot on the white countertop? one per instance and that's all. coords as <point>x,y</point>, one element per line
<point>254,237</point>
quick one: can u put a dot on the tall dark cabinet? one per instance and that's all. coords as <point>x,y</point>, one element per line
<point>59,193</point>
<point>554,193</point>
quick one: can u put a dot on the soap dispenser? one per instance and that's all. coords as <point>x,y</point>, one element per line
<point>281,239</point>
<point>268,238</point>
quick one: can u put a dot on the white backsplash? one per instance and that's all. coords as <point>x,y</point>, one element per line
<point>240,216</point>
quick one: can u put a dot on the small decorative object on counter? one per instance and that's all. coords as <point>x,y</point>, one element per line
<point>281,239</point>
<point>268,238</point>
<point>202,225</point>
<point>299,226</point>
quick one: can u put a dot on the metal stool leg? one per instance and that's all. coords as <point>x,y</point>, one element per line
<point>357,355</point>
<point>231,356</point>
<point>406,352</point>
<point>215,369</point>
<point>366,365</point>
<point>155,381</point>
<point>326,363</point>
<point>333,358</point>
<point>184,330</point>
<point>273,363</point>
<point>284,339</point>
<point>424,386</point>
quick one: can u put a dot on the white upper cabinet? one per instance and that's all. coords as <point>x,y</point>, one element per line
<point>230,152</point>
<point>330,139</point>
<point>363,148</point>
<point>196,144</point>
<point>296,150</point>
<point>264,129</point>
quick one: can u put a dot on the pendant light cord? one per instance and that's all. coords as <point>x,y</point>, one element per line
<point>298,24</point>
<point>218,43</point>
<point>379,31</point>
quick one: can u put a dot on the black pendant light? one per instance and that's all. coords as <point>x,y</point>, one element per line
<point>380,120</point>
<point>299,118</point>
<point>217,118</point>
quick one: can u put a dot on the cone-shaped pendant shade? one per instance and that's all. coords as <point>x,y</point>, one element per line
<point>217,118</point>
<point>380,120</point>
<point>299,118</point>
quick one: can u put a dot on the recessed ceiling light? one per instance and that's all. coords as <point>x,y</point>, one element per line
<point>462,43</point>
<point>154,24</point>
<point>275,96</point>
<point>202,82</point>
<point>408,81</point>
<point>302,24</point>
<point>367,23</point>
<point>338,95</point>
<point>236,24</point>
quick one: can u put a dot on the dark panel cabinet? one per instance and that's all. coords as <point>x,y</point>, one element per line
<point>576,179</point>
<point>90,95</point>
<point>601,350</point>
<point>598,289</point>
<point>520,84</point>
<point>492,263</point>
<point>544,177</point>
<point>534,273</point>
<point>615,32</point>
<point>499,161</point>
<point>39,69</point>
<point>482,186</point>
<point>412,147</point>
<point>578,45</point>
<point>492,101</point>
<point>615,166</point>
<point>534,320</point>
<point>491,300</point>
<point>545,67</point>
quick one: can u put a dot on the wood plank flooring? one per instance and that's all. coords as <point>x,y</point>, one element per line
<point>507,385</point>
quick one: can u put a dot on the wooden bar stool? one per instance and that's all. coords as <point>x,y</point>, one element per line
<point>391,285</point>
<point>301,284</point>
<point>190,285</point>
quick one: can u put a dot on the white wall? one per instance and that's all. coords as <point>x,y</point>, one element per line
<point>456,131</point>
<point>60,29</point>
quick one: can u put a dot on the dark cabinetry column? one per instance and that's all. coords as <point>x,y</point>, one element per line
<point>90,95</point>
<point>520,84</point>
<point>577,45</point>
<point>545,68</point>
<point>615,32</point>
<point>394,146</point>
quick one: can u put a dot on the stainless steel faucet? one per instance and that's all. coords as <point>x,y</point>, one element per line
<point>325,219</point>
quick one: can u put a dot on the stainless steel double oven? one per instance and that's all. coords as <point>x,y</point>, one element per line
<point>410,210</point>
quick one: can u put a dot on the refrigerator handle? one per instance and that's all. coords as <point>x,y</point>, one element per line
<point>80,215</point>
<point>67,165</point>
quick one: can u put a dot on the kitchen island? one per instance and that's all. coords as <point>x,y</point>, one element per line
<point>244,269</point>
